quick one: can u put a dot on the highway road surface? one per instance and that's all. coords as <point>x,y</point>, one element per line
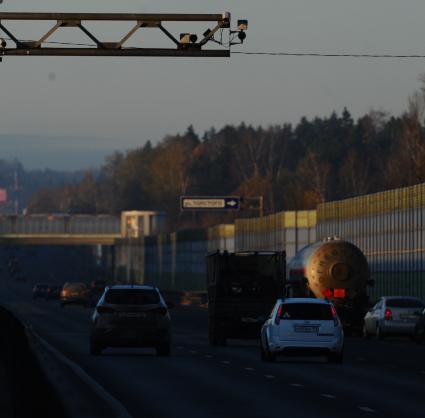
<point>377,379</point>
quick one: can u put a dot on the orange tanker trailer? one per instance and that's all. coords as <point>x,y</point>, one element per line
<point>336,270</point>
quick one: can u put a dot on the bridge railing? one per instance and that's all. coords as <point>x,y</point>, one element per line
<point>60,224</point>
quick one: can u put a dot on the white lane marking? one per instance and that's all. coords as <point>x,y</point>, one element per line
<point>208,356</point>
<point>269,376</point>
<point>180,347</point>
<point>366,409</point>
<point>328,395</point>
<point>297,385</point>
<point>225,362</point>
<point>192,351</point>
<point>250,369</point>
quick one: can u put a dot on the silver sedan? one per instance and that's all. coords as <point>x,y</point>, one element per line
<point>392,315</point>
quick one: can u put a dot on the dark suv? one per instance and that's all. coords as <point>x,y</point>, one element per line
<point>130,316</point>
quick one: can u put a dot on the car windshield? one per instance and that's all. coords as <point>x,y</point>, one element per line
<point>404,303</point>
<point>306,311</point>
<point>132,297</point>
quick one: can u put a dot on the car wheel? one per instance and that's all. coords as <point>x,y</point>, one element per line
<point>212,335</point>
<point>366,335</point>
<point>266,356</point>
<point>163,350</point>
<point>419,335</point>
<point>215,335</point>
<point>336,358</point>
<point>348,331</point>
<point>95,348</point>
<point>379,333</point>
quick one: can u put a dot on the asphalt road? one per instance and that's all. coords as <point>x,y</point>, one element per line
<point>377,379</point>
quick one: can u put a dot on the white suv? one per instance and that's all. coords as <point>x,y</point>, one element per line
<point>303,326</point>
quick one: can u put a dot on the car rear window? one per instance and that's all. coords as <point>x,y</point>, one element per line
<point>306,311</point>
<point>404,303</point>
<point>132,297</point>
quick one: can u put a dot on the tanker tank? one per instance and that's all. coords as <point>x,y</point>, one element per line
<point>334,269</point>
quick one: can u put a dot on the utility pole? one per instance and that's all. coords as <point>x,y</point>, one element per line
<point>184,45</point>
<point>16,190</point>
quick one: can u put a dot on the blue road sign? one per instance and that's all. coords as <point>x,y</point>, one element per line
<point>210,203</point>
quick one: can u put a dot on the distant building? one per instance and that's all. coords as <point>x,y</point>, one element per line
<point>6,207</point>
<point>140,223</point>
<point>3,195</point>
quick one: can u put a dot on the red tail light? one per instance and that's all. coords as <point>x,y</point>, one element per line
<point>339,293</point>
<point>278,315</point>
<point>334,315</point>
<point>159,311</point>
<point>105,310</point>
<point>388,316</point>
<point>327,293</point>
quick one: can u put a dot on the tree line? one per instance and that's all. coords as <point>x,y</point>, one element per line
<point>292,167</point>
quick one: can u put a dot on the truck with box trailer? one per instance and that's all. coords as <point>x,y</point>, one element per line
<point>242,290</point>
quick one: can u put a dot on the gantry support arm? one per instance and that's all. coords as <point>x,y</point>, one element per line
<point>182,48</point>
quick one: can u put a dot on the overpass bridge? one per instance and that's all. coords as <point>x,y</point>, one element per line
<point>65,229</point>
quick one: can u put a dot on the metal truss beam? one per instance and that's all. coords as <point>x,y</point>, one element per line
<point>117,48</point>
<point>122,17</point>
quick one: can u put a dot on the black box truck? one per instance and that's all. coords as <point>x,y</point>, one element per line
<point>242,290</point>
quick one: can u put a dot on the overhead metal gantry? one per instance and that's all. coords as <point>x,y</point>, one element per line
<point>184,45</point>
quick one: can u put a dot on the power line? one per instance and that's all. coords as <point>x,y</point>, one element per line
<point>327,55</point>
<point>282,54</point>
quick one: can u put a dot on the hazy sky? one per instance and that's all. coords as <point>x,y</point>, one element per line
<point>110,103</point>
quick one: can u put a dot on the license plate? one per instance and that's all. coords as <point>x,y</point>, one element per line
<point>132,315</point>
<point>407,317</point>
<point>305,328</point>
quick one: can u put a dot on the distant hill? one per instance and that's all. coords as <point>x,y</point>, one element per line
<point>63,153</point>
